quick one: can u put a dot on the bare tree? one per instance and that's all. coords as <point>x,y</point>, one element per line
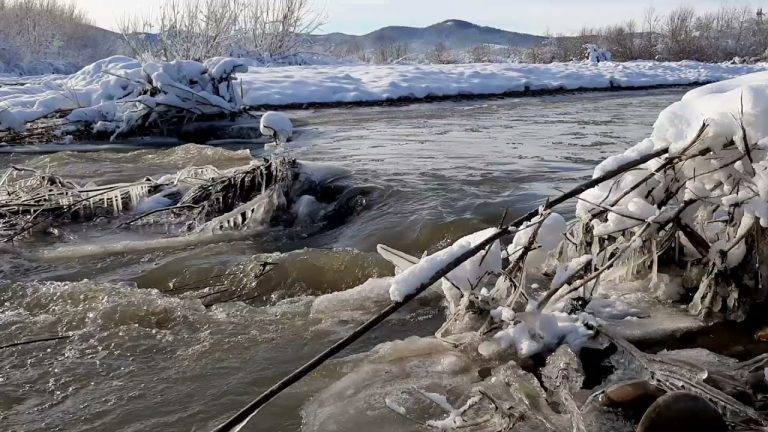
<point>275,29</point>
<point>39,35</point>
<point>185,30</point>
<point>480,54</point>
<point>390,52</point>
<point>268,30</point>
<point>440,54</point>
<point>351,50</point>
<point>623,40</point>
<point>649,39</point>
<point>729,33</point>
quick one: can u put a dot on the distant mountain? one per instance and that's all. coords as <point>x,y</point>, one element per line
<point>456,34</point>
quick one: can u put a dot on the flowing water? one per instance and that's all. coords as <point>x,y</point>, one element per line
<point>145,356</point>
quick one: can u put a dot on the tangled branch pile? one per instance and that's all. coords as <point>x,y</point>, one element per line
<point>118,96</point>
<point>207,200</point>
<point>681,216</point>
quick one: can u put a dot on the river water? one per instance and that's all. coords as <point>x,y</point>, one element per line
<point>147,356</point>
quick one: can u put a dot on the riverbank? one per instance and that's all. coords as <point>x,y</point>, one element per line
<point>97,94</point>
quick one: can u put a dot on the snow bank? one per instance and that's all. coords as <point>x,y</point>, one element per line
<point>100,91</point>
<point>342,84</point>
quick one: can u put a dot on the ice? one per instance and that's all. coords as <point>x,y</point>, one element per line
<point>567,271</point>
<point>537,332</point>
<point>612,309</point>
<point>374,382</point>
<point>154,202</point>
<point>563,375</point>
<point>355,303</point>
<point>549,236</point>
<point>307,209</point>
<point>466,276</point>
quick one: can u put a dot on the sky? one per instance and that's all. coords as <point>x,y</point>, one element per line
<point>526,16</point>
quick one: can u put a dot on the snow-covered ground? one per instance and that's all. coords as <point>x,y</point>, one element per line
<point>117,81</point>
<point>328,84</point>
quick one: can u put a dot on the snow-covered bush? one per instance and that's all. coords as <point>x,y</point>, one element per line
<point>683,215</point>
<point>700,210</point>
<point>595,54</point>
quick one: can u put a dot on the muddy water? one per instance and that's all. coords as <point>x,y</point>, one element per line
<point>143,357</point>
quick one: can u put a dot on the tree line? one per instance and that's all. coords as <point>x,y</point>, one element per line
<point>43,36</point>
<point>682,34</point>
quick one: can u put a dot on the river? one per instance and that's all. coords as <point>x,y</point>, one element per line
<point>145,357</point>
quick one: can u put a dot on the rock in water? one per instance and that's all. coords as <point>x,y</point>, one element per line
<point>682,412</point>
<point>276,125</point>
<point>635,395</point>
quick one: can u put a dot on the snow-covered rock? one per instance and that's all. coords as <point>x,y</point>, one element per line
<point>276,125</point>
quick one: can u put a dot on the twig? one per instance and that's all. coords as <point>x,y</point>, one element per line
<point>150,213</point>
<point>34,341</point>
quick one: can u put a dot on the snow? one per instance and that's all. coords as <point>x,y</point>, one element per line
<point>465,277</point>
<point>720,107</point>
<point>538,332</point>
<point>96,88</point>
<point>276,125</point>
<point>358,83</point>
<point>549,236</point>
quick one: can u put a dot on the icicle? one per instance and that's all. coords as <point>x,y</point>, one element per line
<point>655,265</point>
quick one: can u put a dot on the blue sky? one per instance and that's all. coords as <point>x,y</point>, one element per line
<point>538,16</point>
